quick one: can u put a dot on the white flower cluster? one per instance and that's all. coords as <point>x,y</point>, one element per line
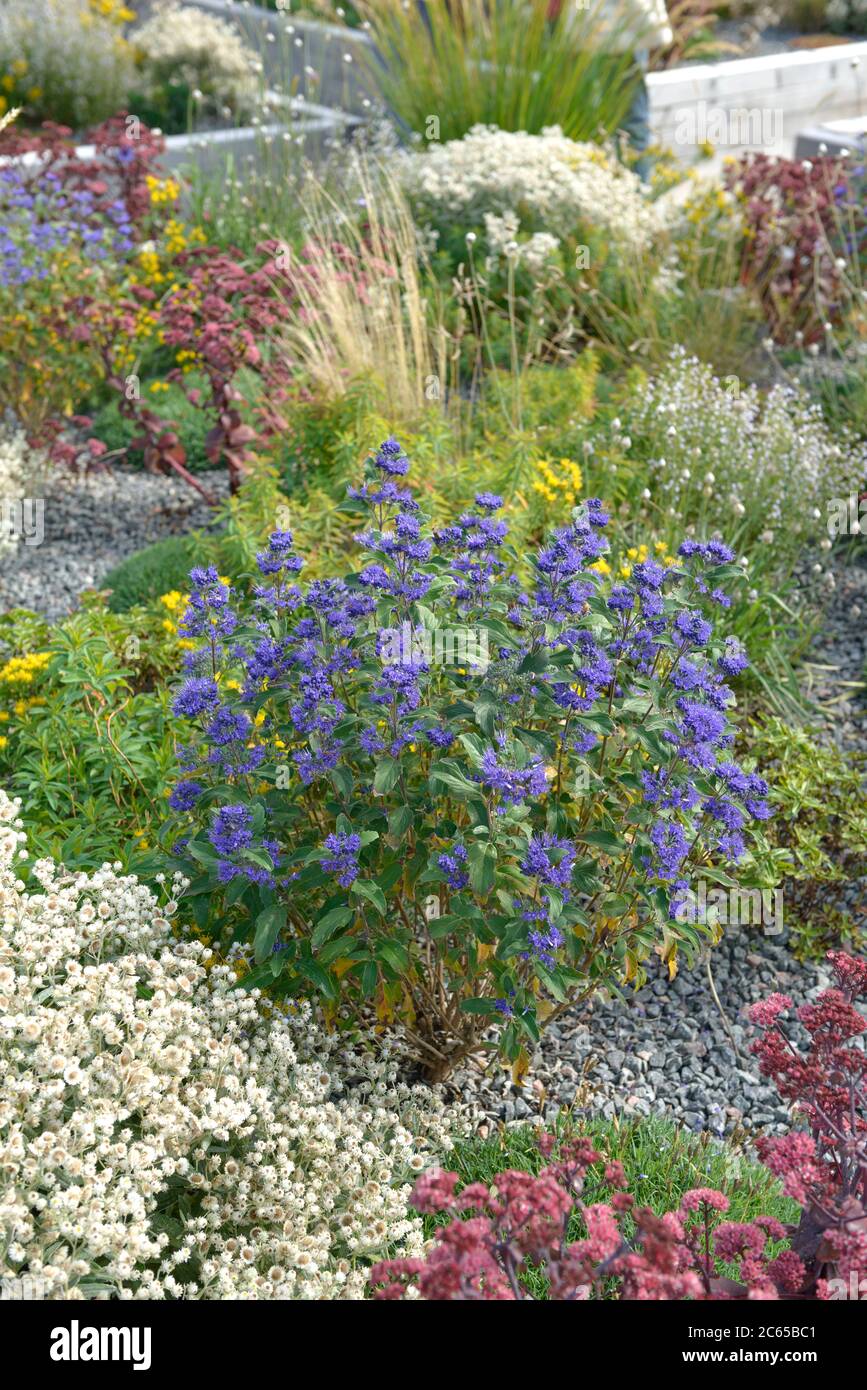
<point>547,182</point>
<point>501,234</point>
<point>165,1136</point>
<point>720,450</point>
<point>180,43</point>
<point>77,68</point>
<point>20,467</point>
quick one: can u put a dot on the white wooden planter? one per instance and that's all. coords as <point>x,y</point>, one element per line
<point>211,151</point>
<point>833,138</point>
<point>321,62</point>
<point>759,103</point>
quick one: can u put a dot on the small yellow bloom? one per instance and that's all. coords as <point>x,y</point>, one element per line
<point>20,670</point>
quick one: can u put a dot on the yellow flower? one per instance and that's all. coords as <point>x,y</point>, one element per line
<point>601,566</point>
<point>3,740</point>
<point>162,190</point>
<point>20,670</point>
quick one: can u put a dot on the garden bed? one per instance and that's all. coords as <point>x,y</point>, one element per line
<point>432,705</point>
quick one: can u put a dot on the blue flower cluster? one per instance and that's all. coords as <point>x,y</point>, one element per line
<point>40,220</point>
<point>452,863</point>
<point>623,681</point>
<point>340,857</point>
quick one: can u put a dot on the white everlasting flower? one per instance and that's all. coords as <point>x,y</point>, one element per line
<point>550,183</point>
<point>163,1135</point>
<point>181,43</point>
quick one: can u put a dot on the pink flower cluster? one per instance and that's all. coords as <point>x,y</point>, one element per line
<point>824,1169</point>
<point>522,1220</point>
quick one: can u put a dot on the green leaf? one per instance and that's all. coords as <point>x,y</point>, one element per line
<point>387,775</point>
<point>485,713</point>
<point>314,972</point>
<point>269,924</point>
<point>603,839</point>
<point>534,662</point>
<point>449,774</point>
<point>329,923</point>
<point>341,781</point>
<point>258,856</point>
<point>363,888</point>
<point>399,822</point>
<point>393,954</point>
<point>482,863</point>
<point>614,905</point>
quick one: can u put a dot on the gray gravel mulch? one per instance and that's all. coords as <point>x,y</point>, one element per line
<point>94,521</point>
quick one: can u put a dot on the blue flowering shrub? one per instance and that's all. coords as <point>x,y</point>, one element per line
<point>435,793</point>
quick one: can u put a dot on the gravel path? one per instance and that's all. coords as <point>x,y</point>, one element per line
<point>833,673</point>
<point>665,1050</point>
<point>671,1049</point>
<point>93,522</point>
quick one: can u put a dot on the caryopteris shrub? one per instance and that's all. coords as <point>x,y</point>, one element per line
<point>430,791</point>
